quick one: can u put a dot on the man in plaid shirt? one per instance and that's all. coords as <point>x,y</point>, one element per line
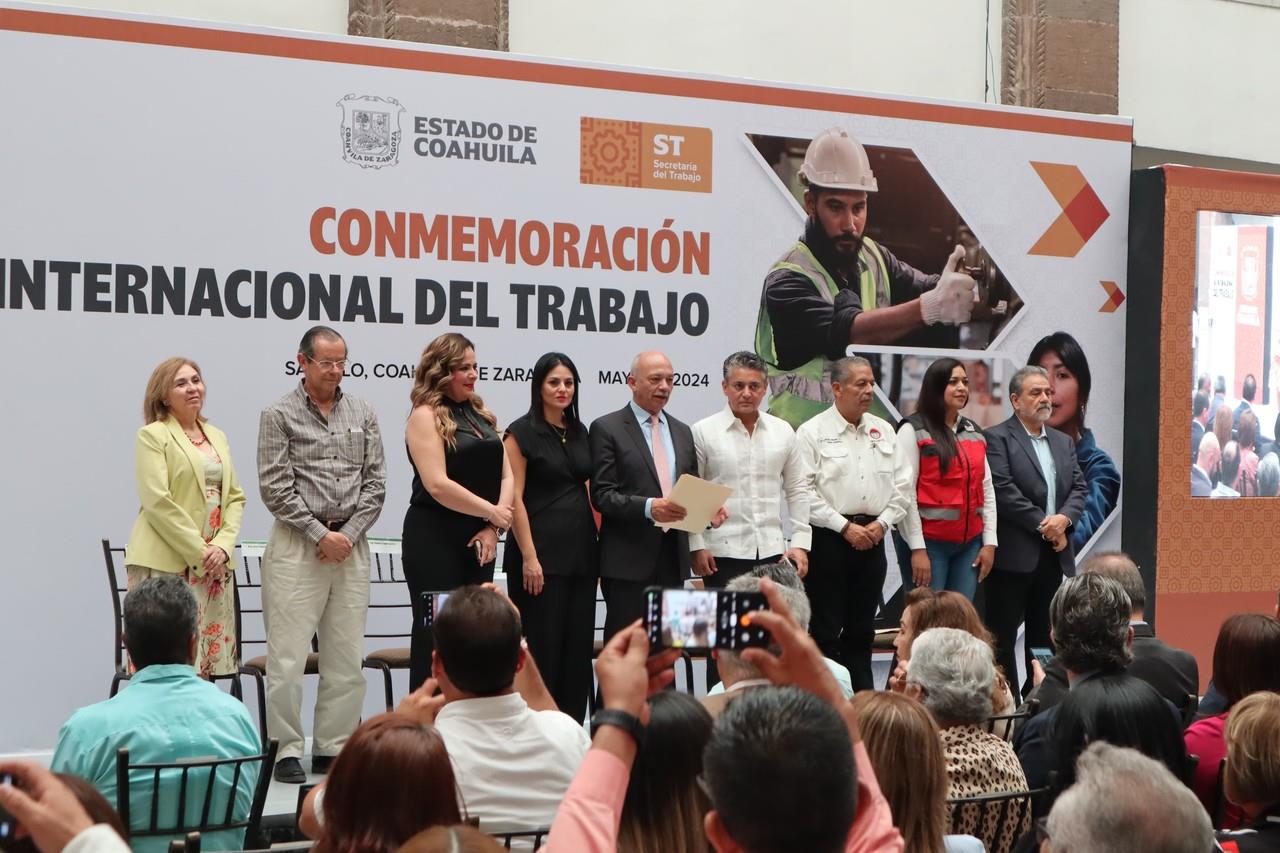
<point>323,477</point>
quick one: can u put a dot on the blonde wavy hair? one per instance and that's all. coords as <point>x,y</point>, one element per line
<point>435,370</point>
<point>1252,773</point>
<point>154,407</point>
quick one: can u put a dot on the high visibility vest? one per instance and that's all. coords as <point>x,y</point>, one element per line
<point>951,503</point>
<point>800,393</point>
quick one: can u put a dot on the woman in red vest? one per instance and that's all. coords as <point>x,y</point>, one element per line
<point>951,522</point>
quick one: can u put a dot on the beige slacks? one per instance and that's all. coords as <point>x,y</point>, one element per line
<point>302,596</point>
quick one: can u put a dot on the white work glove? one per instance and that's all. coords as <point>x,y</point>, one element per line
<point>951,301</point>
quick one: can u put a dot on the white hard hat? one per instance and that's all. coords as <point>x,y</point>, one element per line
<point>835,161</point>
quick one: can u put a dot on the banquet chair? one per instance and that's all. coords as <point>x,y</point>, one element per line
<point>117,579</point>
<point>191,788</point>
<point>388,593</point>
<point>524,839</point>
<point>998,816</point>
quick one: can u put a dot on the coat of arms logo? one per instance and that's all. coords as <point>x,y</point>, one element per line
<point>370,130</point>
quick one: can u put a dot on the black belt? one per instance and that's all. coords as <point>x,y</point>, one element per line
<point>334,525</point>
<point>862,520</point>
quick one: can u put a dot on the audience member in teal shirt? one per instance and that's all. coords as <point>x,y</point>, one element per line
<point>1071,382</point>
<point>166,713</point>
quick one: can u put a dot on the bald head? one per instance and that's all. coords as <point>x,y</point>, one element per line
<point>1210,453</point>
<point>1121,568</point>
<point>651,379</point>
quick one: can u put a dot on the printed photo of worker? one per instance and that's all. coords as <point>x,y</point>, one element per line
<point>1070,382</point>
<point>882,258</point>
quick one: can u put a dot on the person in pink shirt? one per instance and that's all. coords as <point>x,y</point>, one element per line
<point>1244,662</point>
<point>760,802</point>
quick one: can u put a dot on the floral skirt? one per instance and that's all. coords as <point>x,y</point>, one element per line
<point>215,600</point>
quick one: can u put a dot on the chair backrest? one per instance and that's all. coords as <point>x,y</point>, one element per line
<point>1190,705</point>
<point>1004,725</point>
<point>997,819</point>
<point>1219,812</point>
<point>522,839</point>
<point>193,794</point>
<point>388,594</point>
<point>118,580</point>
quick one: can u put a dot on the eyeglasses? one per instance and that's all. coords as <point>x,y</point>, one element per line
<point>330,365</point>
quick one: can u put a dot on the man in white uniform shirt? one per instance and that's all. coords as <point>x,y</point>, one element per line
<point>860,485</point>
<point>755,454</point>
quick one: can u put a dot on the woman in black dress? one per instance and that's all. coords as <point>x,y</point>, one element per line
<point>551,559</point>
<point>462,485</point>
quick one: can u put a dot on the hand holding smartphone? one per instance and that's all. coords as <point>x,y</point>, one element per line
<point>1042,654</point>
<point>698,620</point>
<point>7,823</point>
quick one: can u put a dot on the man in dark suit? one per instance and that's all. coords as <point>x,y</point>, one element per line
<point>1172,672</point>
<point>1199,419</point>
<point>638,453</point>
<point>1248,390</point>
<point>1206,466</point>
<point>1040,493</point>
<point>1093,637</point>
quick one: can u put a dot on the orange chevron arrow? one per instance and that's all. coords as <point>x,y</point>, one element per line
<point>1082,211</point>
<point>1115,297</point>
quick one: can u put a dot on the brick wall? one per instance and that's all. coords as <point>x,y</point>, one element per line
<point>459,23</point>
<point>1062,54</point>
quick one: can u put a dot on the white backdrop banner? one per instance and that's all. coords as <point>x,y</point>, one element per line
<point>174,188</point>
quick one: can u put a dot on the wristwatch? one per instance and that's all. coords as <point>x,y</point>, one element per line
<point>613,717</point>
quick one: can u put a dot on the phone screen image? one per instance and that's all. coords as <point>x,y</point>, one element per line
<point>431,604</point>
<point>688,618</point>
<point>698,620</point>
<point>1042,654</point>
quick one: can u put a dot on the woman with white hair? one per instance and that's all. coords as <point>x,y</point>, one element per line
<point>951,673</point>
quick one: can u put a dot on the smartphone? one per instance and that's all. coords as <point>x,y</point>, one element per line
<point>479,549</point>
<point>7,823</point>
<point>1042,654</point>
<point>431,604</point>
<point>698,620</point>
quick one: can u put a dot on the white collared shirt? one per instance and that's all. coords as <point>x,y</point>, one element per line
<point>855,470</point>
<point>760,467</point>
<point>513,764</point>
<point>911,528</point>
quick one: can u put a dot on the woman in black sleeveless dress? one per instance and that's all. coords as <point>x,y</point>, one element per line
<point>551,557</point>
<point>462,485</point>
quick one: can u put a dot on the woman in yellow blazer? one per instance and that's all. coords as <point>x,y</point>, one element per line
<point>192,504</point>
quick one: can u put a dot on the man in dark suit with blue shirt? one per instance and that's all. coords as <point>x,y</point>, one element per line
<point>638,453</point>
<point>1040,494</point>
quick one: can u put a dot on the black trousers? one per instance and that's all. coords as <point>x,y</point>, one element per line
<point>624,598</point>
<point>844,587</point>
<point>1014,598</point>
<point>559,624</point>
<point>728,568</point>
<point>436,558</point>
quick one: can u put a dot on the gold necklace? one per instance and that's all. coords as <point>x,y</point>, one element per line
<point>563,433</point>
